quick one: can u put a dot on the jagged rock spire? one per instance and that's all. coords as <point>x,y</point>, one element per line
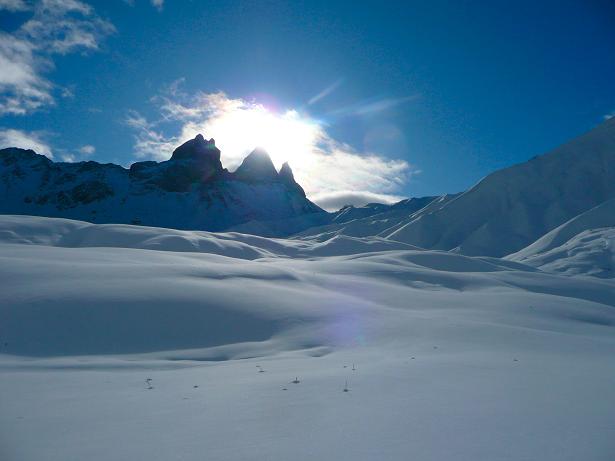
<point>286,174</point>
<point>195,161</point>
<point>257,167</point>
<point>198,149</point>
<point>287,177</point>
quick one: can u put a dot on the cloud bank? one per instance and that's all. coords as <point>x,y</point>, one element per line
<point>24,140</point>
<point>55,27</point>
<point>332,201</point>
<point>332,173</point>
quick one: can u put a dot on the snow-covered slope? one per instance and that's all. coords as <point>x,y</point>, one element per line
<point>78,234</point>
<point>583,245</point>
<point>374,219</point>
<point>229,346</point>
<point>189,191</point>
<point>504,212</point>
<point>513,207</point>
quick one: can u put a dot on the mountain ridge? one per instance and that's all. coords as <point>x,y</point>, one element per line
<point>191,190</point>
<point>507,210</point>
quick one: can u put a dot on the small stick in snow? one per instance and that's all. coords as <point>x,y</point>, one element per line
<point>296,381</point>
<point>353,368</point>
<point>346,387</point>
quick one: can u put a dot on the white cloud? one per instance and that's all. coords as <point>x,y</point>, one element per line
<point>13,5</point>
<point>322,165</point>
<point>76,155</point>
<point>332,201</point>
<point>158,4</point>
<point>25,140</point>
<point>148,142</point>
<point>55,27</point>
<point>609,115</point>
<point>87,150</point>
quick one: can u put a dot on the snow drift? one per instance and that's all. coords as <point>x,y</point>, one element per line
<point>129,342</point>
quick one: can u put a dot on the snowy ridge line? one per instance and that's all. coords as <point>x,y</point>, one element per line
<point>68,233</point>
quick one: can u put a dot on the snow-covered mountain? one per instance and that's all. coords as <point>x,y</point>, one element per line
<point>513,207</point>
<point>507,210</point>
<point>583,245</point>
<point>375,219</point>
<point>191,190</point>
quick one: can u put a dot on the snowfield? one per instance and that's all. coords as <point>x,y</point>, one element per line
<point>122,342</point>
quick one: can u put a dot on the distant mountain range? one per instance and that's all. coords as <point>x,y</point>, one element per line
<point>502,214</point>
<point>191,190</point>
<point>506,211</point>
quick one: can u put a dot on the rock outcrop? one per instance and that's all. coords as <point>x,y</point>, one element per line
<point>191,190</point>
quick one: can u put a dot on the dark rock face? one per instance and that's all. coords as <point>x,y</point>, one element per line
<point>286,174</point>
<point>287,177</point>
<point>256,167</point>
<point>194,162</point>
<point>191,190</point>
<point>199,150</point>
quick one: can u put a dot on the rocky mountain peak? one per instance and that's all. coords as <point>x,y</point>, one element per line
<point>286,174</point>
<point>198,149</point>
<point>256,167</point>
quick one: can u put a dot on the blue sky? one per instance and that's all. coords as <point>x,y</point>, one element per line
<point>409,99</point>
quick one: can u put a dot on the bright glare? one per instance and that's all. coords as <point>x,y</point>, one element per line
<point>326,169</point>
<point>288,136</point>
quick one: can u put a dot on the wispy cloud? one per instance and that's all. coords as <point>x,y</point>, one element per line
<point>149,143</point>
<point>76,155</point>
<point>326,92</point>
<point>13,5</point>
<point>322,165</point>
<point>87,150</point>
<point>54,27</point>
<point>374,105</point>
<point>158,4</point>
<point>609,115</point>
<point>25,140</point>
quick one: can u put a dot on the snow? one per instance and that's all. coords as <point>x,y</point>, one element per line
<point>181,193</point>
<point>455,357</point>
<point>583,245</point>
<point>374,219</point>
<point>507,210</point>
<point>511,208</point>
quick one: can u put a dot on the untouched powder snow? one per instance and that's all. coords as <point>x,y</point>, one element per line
<point>122,342</point>
<point>583,245</point>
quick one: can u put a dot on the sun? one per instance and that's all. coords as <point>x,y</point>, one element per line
<point>287,136</point>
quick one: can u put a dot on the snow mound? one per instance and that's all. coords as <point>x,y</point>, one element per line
<point>583,245</point>
<point>74,288</point>
<point>79,234</point>
<point>220,346</point>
